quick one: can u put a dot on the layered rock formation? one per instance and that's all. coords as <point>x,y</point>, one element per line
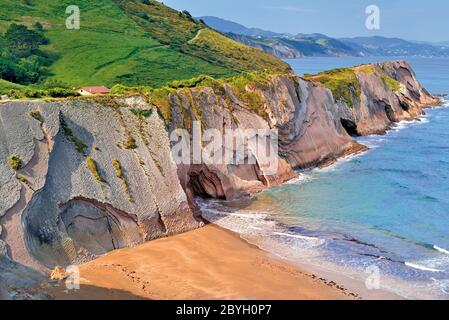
<point>380,103</point>
<point>97,175</point>
<point>4,295</point>
<point>303,114</point>
<point>92,178</point>
<point>314,127</point>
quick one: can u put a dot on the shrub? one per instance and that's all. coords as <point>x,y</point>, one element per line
<point>190,83</point>
<point>52,83</point>
<point>130,143</point>
<point>24,180</point>
<point>33,93</point>
<point>142,113</point>
<point>16,94</point>
<point>120,89</point>
<point>118,169</point>
<point>61,93</point>
<point>38,26</point>
<point>37,115</point>
<point>187,15</point>
<point>119,173</point>
<point>80,146</point>
<point>159,98</point>
<point>342,82</point>
<point>392,84</point>
<point>93,168</point>
<point>14,162</point>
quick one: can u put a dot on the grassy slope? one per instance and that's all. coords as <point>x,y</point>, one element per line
<point>5,86</point>
<point>194,38</point>
<point>344,84</point>
<point>131,43</point>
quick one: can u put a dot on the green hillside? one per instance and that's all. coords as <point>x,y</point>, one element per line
<point>5,86</point>
<point>136,42</point>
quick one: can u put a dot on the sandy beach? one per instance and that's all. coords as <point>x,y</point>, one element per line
<point>208,263</point>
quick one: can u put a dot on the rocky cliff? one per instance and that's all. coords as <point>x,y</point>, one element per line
<point>370,98</point>
<point>79,178</point>
<point>315,120</point>
<point>90,178</point>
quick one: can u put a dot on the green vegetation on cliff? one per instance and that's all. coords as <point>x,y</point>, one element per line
<point>14,162</point>
<point>247,87</point>
<point>93,168</point>
<point>392,84</point>
<point>80,146</point>
<point>342,82</point>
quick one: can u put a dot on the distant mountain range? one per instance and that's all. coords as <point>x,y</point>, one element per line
<point>397,47</point>
<point>286,45</point>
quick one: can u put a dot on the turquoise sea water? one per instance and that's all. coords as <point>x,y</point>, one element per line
<point>387,208</point>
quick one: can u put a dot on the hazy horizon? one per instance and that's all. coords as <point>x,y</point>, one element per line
<point>410,20</point>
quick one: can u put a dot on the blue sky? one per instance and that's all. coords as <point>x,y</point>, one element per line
<point>409,19</point>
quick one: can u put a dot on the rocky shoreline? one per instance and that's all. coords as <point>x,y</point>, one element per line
<point>96,176</point>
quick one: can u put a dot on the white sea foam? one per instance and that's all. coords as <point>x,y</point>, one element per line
<point>372,141</point>
<point>425,120</point>
<point>445,104</point>
<point>336,165</point>
<point>261,229</point>
<point>302,177</point>
<point>316,241</point>
<point>441,250</point>
<point>243,222</point>
<point>407,123</point>
<point>420,267</point>
<point>442,285</point>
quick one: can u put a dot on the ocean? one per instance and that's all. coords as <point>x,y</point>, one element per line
<point>380,218</point>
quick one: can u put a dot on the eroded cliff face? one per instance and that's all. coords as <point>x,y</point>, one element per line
<point>97,175</point>
<point>304,115</point>
<point>314,127</point>
<point>93,178</point>
<point>380,104</point>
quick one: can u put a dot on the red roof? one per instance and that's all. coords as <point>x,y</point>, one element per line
<point>95,89</point>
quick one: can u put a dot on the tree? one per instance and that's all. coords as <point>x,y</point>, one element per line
<point>21,61</point>
<point>23,42</point>
<point>8,70</point>
<point>38,26</point>
<point>187,13</point>
<point>30,68</point>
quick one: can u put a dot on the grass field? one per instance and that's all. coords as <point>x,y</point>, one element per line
<point>132,43</point>
<point>5,86</point>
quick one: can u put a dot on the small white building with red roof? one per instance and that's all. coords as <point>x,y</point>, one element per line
<point>91,91</point>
